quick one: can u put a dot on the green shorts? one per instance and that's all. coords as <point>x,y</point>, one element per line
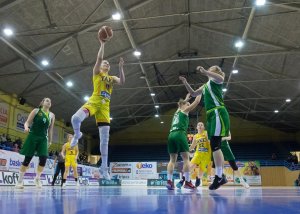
<point>218,123</point>
<point>226,150</point>
<point>177,142</point>
<point>35,145</point>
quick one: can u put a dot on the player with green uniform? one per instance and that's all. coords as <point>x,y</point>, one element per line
<point>41,122</point>
<point>218,123</point>
<point>177,141</point>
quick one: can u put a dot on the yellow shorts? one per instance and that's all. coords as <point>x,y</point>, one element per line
<point>201,161</point>
<point>100,108</point>
<point>70,161</point>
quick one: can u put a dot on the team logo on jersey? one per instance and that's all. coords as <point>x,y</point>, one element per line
<point>40,114</point>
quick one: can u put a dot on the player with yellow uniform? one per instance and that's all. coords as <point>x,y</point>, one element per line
<point>70,154</point>
<point>202,154</point>
<point>99,106</point>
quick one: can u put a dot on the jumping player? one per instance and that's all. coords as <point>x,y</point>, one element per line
<point>99,105</point>
<point>218,123</point>
<point>177,141</point>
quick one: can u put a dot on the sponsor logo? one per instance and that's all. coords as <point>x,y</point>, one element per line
<point>115,182</point>
<point>8,178</point>
<point>18,163</point>
<point>144,166</point>
<point>3,162</point>
<point>121,170</point>
<point>156,182</point>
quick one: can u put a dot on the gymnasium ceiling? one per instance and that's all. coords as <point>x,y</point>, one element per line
<point>174,36</point>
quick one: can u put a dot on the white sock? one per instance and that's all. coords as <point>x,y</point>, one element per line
<point>104,138</point>
<point>76,120</point>
<point>21,176</point>
<point>170,177</point>
<point>219,171</point>
<point>187,176</point>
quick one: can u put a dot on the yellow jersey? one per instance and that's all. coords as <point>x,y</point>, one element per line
<point>103,85</point>
<point>70,150</point>
<point>203,145</point>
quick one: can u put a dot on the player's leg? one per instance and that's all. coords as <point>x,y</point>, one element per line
<point>170,170</point>
<point>76,121</point>
<point>103,122</point>
<point>23,168</point>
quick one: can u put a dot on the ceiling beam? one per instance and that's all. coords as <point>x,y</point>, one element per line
<point>8,4</point>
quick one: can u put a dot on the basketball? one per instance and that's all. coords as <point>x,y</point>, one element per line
<point>105,33</point>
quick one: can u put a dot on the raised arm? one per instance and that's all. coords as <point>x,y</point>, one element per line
<point>218,78</point>
<point>99,60</point>
<point>50,130</point>
<point>193,105</point>
<point>192,92</point>
<point>121,79</point>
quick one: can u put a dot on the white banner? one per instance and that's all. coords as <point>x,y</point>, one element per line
<point>4,113</point>
<point>134,182</point>
<point>10,163</point>
<point>144,170</point>
<point>20,119</point>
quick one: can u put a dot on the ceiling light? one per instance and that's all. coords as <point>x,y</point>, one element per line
<point>152,94</point>
<point>224,89</point>
<point>111,118</point>
<point>260,2</point>
<point>276,111</point>
<point>161,121</point>
<point>156,115</point>
<point>137,53</point>
<point>116,16</point>
<point>235,71</point>
<point>69,83</point>
<point>86,98</point>
<point>157,106</point>
<point>45,62</point>
<point>288,100</point>
<point>8,32</point>
<point>239,44</point>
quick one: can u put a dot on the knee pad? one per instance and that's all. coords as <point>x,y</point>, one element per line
<point>233,165</point>
<point>215,143</point>
<point>42,161</point>
<point>79,116</point>
<point>26,161</point>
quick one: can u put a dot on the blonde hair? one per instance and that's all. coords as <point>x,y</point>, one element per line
<point>216,69</point>
<point>181,102</point>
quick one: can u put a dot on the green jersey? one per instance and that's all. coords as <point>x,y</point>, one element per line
<point>40,123</point>
<point>213,96</point>
<point>180,121</point>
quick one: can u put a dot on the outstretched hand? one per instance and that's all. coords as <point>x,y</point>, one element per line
<point>188,97</point>
<point>121,62</point>
<point>201,69</point>
<point>182,79</point>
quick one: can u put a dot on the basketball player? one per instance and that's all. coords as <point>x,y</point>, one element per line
<point>228,156</point>
<point>39,124</point>
<point>218,123</point>
<point>177,141</point>
<point>60,167</point>
<point>202,155</point>
<point>99,105</point>
<point>70,154</point>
